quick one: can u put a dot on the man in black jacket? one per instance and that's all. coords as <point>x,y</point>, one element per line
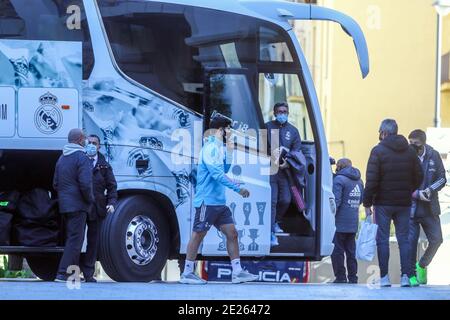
<point>103,180</point>
<point>73,183</point>
<point>289,139</point>
<point>426,210</point>
<point>393,173</point>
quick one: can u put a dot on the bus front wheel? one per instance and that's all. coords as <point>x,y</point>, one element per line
<point>135,241</point>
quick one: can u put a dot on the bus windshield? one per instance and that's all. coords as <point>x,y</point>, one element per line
<point>169,48</point>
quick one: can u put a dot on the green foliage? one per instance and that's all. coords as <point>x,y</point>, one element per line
<point>5,273</point>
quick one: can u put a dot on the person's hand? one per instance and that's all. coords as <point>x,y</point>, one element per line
<point>284,164</point>
<point>244,193</point>
<point>424,195</point>
<point>110,209</point>
<point>369,212</point>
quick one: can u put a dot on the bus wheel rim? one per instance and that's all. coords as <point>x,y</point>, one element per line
<point>141,240</point>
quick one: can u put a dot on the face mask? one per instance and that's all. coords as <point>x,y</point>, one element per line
<point>282,118</point>
<point>91,150</point>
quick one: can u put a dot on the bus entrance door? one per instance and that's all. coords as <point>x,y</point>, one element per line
<point>228,93</point>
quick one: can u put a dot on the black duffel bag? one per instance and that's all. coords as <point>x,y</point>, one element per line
<point>5,228</point>
<point>9,201</point>
<point>37,220</point>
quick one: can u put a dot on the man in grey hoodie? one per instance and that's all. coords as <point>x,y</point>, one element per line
<point>73,183</point>
<point>348,191</point>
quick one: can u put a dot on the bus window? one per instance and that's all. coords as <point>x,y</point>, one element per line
<point>230,95</point>
<point>45,20</point>
<point>272,46</point>
<point>168,47</point>
<point>276,87</point>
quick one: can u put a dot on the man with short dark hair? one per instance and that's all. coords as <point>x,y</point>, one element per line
<point>289,141</point>
<point>105,194</point>
<point>393,173</point>
<point>348,191</point>
<point>210,203</point>
<point>426,209</point>
<point>73,183</point>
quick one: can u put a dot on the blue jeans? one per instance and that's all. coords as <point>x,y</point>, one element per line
<point>383,217</point>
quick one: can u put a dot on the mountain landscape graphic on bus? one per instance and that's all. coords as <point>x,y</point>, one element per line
<point>42,64</point>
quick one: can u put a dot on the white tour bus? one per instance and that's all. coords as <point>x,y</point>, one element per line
<point>141,74</point>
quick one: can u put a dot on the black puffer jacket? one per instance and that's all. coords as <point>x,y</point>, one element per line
<point>393,173</point>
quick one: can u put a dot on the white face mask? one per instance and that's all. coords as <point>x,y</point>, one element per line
<point>91,150</point>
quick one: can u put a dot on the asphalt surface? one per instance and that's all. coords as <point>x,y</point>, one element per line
<point>38,290</point>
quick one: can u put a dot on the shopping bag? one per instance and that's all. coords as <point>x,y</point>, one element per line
<point>366,244</point>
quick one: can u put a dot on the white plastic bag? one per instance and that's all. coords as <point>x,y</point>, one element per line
<point>366,244</point>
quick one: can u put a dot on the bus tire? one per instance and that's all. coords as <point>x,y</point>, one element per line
<point>15,262</point>
<point>44,266</point>
<point>134,241</point>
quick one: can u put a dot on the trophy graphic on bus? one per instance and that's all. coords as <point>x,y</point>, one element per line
<point>261,207</point>
<point>247,210</point>
<point>223,242</point>
<point>240,236</point>
<point>253,246</point>
<point>233,209</point>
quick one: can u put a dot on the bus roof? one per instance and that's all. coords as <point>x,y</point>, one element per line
<point>272,11</point>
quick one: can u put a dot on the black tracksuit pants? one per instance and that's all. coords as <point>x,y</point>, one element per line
<point>74,223</point>
<point>344,243</point>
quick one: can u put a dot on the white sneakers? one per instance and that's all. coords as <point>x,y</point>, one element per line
<point>385,282</point>
<point>274,240</point>
<point>277,228</point>
<point>404,282</point>
<point>191,278</point>
<point>241,277</point>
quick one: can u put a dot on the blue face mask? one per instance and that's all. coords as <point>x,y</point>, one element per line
<point>91,150</point>
<point>282,118</point>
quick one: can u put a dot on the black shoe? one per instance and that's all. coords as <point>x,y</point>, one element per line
<point>91,279</point>
<point>353,281</point>
<point>340,281</point>
<point>61,278</point>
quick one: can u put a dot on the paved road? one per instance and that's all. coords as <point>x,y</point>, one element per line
<point>37,290</point>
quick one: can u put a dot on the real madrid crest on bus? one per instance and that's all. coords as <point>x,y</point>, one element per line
<point>48,118</point>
